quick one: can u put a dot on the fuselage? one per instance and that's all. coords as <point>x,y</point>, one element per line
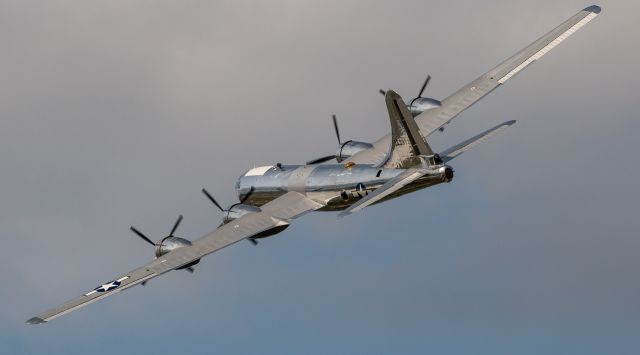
<point>336,186</point>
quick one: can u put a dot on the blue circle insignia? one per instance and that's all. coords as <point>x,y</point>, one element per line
<point>108,286</point>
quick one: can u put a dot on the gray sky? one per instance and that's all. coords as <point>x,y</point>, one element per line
<point>118,112</point>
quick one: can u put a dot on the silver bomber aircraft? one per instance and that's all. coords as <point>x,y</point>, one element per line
<point>365,174</point>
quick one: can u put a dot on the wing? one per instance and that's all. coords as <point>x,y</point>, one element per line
<point>385,190</point>
<point>431,120</point>
<point>450,153</point>
<point>275,213</point>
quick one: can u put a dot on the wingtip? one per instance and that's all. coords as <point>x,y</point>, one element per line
<point>593,8</point>
<point>36,320</point>
<point>510,123</point>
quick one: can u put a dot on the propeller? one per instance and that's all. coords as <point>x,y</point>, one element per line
<point>335,126</point>
<point>146,239</point>
<point>321,160</point>
<point>242,201</point>
<point>329,157</point>
<point>175,226</point>
<point>410,104</point>
<point>424,86</point>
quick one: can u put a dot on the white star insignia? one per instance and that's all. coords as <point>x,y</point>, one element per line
<point>108,286</point>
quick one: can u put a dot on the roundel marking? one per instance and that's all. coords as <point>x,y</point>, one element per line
<point>108,286</point>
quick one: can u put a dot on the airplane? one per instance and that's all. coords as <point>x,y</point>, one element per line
<point>364,174</point>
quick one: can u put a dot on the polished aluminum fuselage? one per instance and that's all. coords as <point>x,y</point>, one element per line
<point>336,186</point>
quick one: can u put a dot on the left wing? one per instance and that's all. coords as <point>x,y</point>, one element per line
<point>431,120</point>
<point>275,213</point>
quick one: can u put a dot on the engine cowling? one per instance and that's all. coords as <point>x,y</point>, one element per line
<point>170,243</point>
<point>421,104</point>
<point>238,210</point>
<point>241,209</point>
<point>351,148</point>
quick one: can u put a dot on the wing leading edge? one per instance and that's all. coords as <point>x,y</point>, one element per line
<point>275,213</point>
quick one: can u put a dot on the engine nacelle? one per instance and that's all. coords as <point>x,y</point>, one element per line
<point>238,210</point>
<point>351,148</point>
<point>421,104</point>
<point>170,243</point>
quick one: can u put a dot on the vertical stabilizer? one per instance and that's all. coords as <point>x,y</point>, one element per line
<point>407,143</point>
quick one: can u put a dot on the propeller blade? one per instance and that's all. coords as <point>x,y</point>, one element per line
<point>134,230</point>
<point>175,226</point>
<point>424,86</point>
<point>335,125</point>
<point>212,200</point>
<point>384,93</point>
<point>321,160</point>
<point>246,197</point>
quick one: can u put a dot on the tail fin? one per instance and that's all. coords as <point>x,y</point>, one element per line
<point>456,150</point>
<point>407,143</point>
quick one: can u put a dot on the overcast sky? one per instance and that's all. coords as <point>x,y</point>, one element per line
<point>116,113</point>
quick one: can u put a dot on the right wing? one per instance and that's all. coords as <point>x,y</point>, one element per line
<point>275,213</point>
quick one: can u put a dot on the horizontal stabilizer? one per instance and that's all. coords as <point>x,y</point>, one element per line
<point>386,189</point>
<point>460,148</point>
